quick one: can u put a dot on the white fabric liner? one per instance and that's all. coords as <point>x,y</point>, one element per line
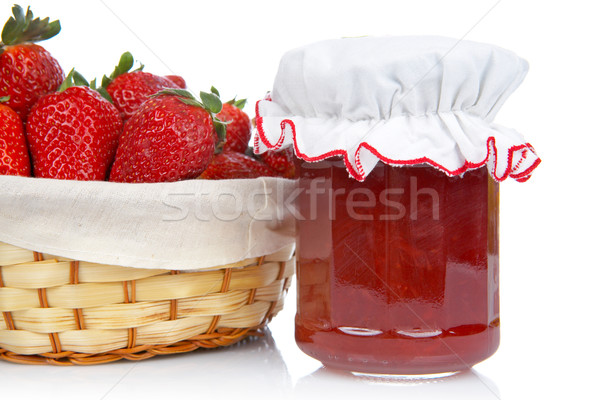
<point>401,100</point>
<point>188,225</point>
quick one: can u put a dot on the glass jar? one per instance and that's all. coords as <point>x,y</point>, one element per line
<point>397,274</point>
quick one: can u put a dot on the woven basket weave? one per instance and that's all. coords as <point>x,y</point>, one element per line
<point>61,311</point>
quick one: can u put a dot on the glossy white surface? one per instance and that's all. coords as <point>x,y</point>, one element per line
<point>549,226</point>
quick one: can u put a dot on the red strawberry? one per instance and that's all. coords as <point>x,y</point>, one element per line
<point>73,133</point>
<point>177,80</point>
<point>170,138</point>
<point>129,90</point>
<point>14,157</point>
<point>281,161</point>
<point>233,165</point>
<point>27,70</point>
<point>238,128</point>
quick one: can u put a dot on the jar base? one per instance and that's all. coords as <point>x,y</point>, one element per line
<point>377,371</point>
<point>395,371</point>
<point>408,357</point>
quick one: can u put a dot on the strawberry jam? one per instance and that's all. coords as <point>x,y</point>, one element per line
<point>397,274</point>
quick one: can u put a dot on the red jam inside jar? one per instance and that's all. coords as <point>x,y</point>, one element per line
<point>397,274</point>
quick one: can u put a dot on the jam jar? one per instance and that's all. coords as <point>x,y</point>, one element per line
<point>397,274</point>
<point>398,162</point>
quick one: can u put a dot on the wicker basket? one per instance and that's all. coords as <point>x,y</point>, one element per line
<point>62,312</point>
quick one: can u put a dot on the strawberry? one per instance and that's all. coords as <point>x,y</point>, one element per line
<point>170,138</point>
<point>177,80</point>
<point>129,90</point>
<point>14,157</point>
<point>281,161</point>
<point>73,133</point>
<point>233,165</point>
<point>27,70</point>
<point>238,125</point>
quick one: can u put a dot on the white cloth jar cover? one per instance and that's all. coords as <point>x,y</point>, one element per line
<point>401,100</point>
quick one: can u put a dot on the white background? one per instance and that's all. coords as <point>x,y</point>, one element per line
<point>549,225</point>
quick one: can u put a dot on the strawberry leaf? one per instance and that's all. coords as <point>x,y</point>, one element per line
<point>191,102</point>
<point>74,78</point>
<point>218,120</point>
<point>21,27</point>
<point>4,99</point>
<point>124,66</point>
<point>221,131</point>
<point>19,15</point>
<point>13,26</point>
<point>104,93</point>
<point>176,92</point>
<point>79,80</point>
<point>68,82</point>
<point>240,103</point>
<point>237,103</point>
<point>214,91</point>
<point>105,81</point>
<point>52,30</point>
<point>28,16</point>
<point>211,102</point>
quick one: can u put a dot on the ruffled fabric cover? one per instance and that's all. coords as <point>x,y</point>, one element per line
<point>401,100</point>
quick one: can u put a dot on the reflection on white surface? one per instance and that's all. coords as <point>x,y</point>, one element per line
<point>253,369</point>
<point>253,366</point>
<point>327,383</point>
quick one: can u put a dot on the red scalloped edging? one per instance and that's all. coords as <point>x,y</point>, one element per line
<point>360,175</point>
